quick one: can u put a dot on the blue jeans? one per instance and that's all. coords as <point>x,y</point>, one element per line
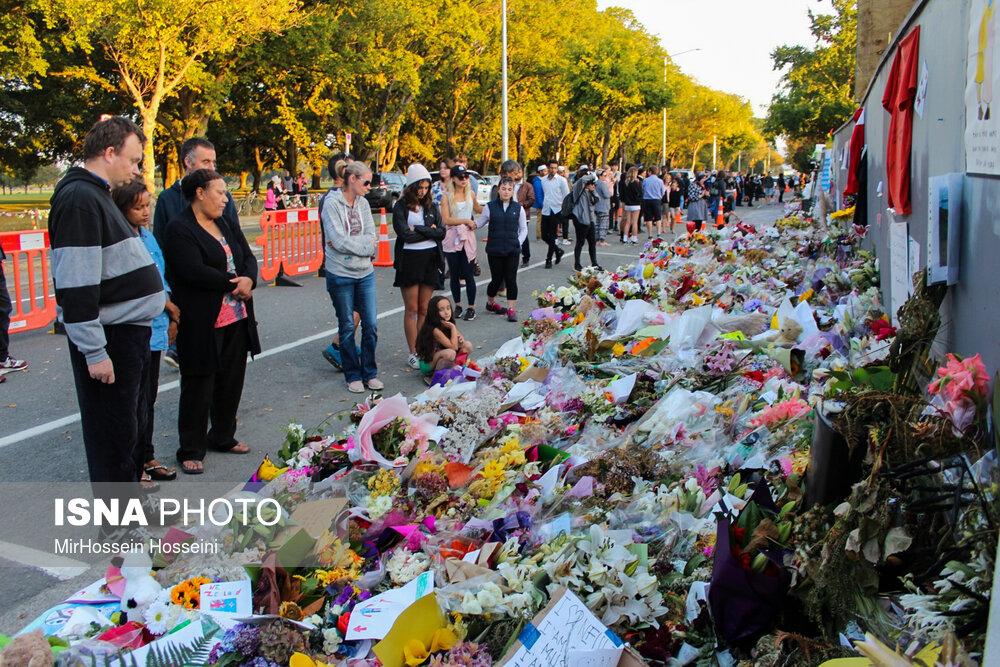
<point>350,295</point>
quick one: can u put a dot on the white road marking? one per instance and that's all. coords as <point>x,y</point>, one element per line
<point>40,429</point>
<point>59,567</point>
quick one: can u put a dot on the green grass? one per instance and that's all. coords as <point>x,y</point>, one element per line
<point>13,205</point>
<point>19,200</point>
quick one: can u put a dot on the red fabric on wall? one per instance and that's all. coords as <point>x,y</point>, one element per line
<point>900,90</point>
<point>857,143</point>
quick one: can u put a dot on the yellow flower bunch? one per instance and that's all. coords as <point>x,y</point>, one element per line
<point>383,483</point>
<point>618,349</point>
<point>331,552</point>
<point>511,453</point>
<point>846,213</point>
<point>337,575</point>
<point>800,461</point>
<point>427,465</point>
<point>290,610</point>
<point>188,593</point>
<point>792,221</point>
<point>458,626</point>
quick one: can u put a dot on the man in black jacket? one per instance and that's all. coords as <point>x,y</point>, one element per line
<point>108,291</point>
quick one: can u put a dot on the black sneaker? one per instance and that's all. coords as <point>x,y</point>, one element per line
<point>559,254</point>
<point>524,262</point>
<point>458,312</point>
<point>170,359</point>
<point>548,264</point>
<point>470,314</point>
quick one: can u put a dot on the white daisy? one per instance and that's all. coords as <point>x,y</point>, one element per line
<point>156,618</point>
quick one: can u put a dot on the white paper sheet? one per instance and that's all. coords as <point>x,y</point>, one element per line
<point>373,618</point>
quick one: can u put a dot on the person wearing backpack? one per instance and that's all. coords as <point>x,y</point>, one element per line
<point>585,218</point>
<point>555,189</point>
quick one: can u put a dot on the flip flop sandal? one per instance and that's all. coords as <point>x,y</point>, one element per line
<point>147,484</point>
<point>193,471</point>
<point>235,449</point>
<point>160,472</point>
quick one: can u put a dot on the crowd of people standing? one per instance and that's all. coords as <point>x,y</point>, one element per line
<point>128,295</point>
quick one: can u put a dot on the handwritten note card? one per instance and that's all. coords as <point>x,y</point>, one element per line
<point>565,626</point>
<point>373,618</point>
<point>227,597</point>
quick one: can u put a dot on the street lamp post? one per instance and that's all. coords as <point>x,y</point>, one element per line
<point>504,152</point>
<point>663,144</point>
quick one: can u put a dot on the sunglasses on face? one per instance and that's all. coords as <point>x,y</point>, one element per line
<point>366,183</point>
<point>463,177</point>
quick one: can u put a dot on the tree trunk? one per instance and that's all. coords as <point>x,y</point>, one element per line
<point>694,155</point>
<point>149,129</point>
<point>244,175</point>
<point>450,138</point>
<point>171,172</point>
<point>317,171</point>
<point>258,168</point>
<point>606,143</point>
<point>291,156</point>
<point>391,152</point>
<point>522,148</point>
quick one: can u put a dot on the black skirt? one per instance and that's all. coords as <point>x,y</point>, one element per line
<point>419,267</point>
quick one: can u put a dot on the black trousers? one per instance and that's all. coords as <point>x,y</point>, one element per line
<point>149,392</point>
<point>216,396</point>
<point>526,250</point>
<point>6,308</point>
<point>112,415</point>
<point>585,233</point>
<point>550,232</point>
<point>503,270</point>
<point>461,269</point>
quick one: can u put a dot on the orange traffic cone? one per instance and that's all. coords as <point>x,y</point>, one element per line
<point>720,217</point>
<point>677,220</point>
<point>384,257</point>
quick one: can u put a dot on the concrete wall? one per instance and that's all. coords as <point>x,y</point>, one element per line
<point>971,312</point>
<point>877,23</point>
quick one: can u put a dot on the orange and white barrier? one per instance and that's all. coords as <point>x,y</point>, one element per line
<point>27,269</point>
<point>292,243</point>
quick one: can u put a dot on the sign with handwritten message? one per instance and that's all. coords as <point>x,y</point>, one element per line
<point>561,630</point>
<point>227,597</point>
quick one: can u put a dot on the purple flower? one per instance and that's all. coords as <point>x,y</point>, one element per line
<point>260,662</point>
<point>242,638</point>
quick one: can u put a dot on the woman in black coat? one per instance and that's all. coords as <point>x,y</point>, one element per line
<point>419,259</point>
<point>213,273</point>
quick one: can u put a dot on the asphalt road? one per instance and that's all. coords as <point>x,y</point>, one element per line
<point>41,442</point>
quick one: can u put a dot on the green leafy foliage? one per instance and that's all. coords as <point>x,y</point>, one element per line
<point>817,87</point>
<point>194,654</point>
<point>879,378</point>
<point>278,83</point>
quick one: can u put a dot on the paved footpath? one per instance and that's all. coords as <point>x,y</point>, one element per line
<point>40,439</point>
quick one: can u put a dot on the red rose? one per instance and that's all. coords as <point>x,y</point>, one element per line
<point>343,622</point>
